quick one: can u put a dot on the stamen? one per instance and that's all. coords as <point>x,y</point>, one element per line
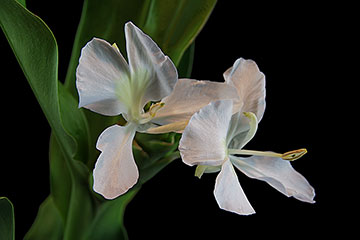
<point>289,156</point>
<point>155,107</point>
<point>146,117</point>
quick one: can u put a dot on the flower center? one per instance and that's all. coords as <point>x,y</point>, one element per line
<point>149,115</point>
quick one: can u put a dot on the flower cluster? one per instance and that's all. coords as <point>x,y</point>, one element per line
<point>216,119</point>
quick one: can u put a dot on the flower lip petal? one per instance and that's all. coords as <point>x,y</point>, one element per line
<point>115,171</point>
<point>154,73</point>
<point>101,69</point>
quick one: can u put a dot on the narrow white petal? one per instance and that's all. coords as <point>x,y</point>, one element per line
<point>115,170</point>
<point>100,73</point>
<point>153,74</point>
<point>228,192</point>
<point>189,96</point>
<point>278,173</point>
<point>204,139</point>
<point>250,84</point>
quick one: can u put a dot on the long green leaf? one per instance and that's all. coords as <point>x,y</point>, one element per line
<point>60,179</point>
<point>36,50</point>
<point>175,24</point>
<point>7,223</point>
<point>108,222</point>
<point>71,193</point>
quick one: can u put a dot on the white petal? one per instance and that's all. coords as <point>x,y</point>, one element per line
<point>228,192</point>
<point>115,170</point>
<point>189,96</point>
<point>243,126</point>
<point>101,70</point>
<point>151,71</point>
<point>278,173</point>
<point>204,139</point>
<point>250,83</point>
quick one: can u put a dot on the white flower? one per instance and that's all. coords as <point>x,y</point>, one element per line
<point>108,85</point>
<point>220,130</point>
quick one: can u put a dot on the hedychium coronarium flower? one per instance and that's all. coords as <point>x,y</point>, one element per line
<point>109,85</point>
<point>215,137</point>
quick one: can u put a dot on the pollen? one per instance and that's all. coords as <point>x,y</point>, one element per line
<point>293,155</point>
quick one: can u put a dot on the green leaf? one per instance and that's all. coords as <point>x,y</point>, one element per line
<point>174,25</point>
<point>75,124</point>
<point>82,205</point>
<point>71,193</point>
<point>186,63</point>
<point>22,2</point>
<point>36,51</point>
<point>60,179</point>
<point>48,224</point>
<point>7,223</point>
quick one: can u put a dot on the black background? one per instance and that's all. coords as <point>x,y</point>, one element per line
<point>290,44</point>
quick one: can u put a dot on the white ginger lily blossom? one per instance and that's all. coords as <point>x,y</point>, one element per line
<point>108,85</point>
<point>219,131</point>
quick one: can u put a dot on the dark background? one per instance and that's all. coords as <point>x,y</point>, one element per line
<point>290,44</point>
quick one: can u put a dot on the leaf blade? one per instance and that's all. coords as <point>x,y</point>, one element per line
<point>48,223</point>
<point>39,41</point>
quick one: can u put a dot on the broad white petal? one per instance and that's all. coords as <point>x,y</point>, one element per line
<point>228,192</point>
<point>115,170</point>
<point>100,73</point>
<point>189,96</point>
<point>278,173</point>
<point>153,74</point>
<point>250,84</point>
<point>204,139</point>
